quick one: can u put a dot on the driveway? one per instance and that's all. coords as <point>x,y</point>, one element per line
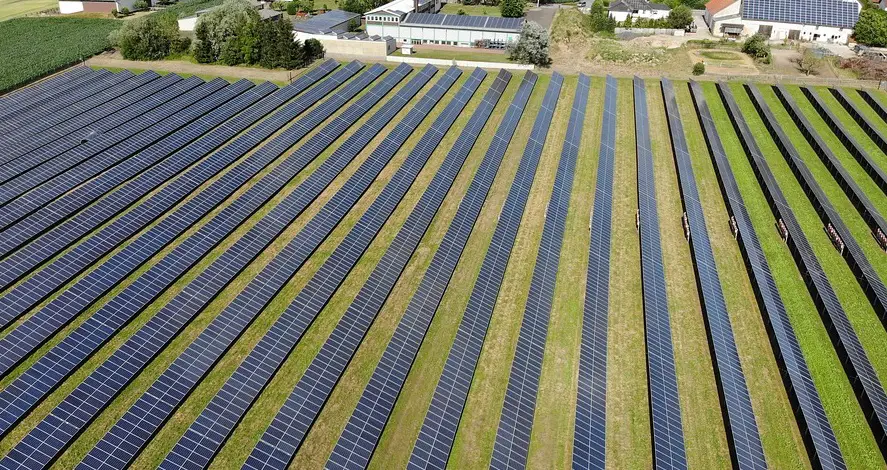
<point>543,15</point>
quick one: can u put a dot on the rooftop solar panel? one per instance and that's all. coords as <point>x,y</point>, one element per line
<point>836,13</point>
<point>744,439</point>
<point>665,410</point>
<point>589,440</point>
<point>816,430</point>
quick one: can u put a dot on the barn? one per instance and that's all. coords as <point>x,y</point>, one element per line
<point>802,20</point>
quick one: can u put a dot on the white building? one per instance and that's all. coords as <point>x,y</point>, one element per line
<point>385,19</point>
<point>803,20</point>
<point>450,30</point>
<point>620,10</point>
<point>67,7</point>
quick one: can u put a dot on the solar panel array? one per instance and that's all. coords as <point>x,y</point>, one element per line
<point>871,393</point>
<point>435,440</point>
<point>358,441</point>
<point>816,430</point>
<point>879,107</point>
<point>665,407</point>
<point>872,129</point>
<point>835,13</point>
<point>464,21</point>
<point>112,316</point>
<point>283,437</point>
<point>57,83</point>
<point>739,417</point>
<point>132,431</point>
<point>857,365</point>
<point>863,204</point>
<point>516,421</point>
<point>589,439</point>
<point>52,90</point>
<point>853,146</point>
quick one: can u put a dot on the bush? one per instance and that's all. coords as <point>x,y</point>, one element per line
<point>313,50</point>
<point>871,28</point>
<point>698,68</point>
<point>461,12</point>
<point>279,5</point>
<point>292,7</point>
<point>600,21</point>
<point>140,5</point>
<point>228,34</point>
<point>151,37</point>
<point>757,47</point>
<point>680,17</point>
<point>124,11</point>
<point>512,8</point>
<point>532,47</point>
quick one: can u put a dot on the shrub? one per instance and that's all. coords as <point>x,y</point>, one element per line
<point>461,12</point>
<point>680,17</point>
<point>140,5</point>
<point>313,50</point>
<point>532,47</point>
<point>871,28</point>
<point>698,68</point>
<point>600,21</point>
<point>151,37</point>
<point>757,47</point>
<point>292,7</point>
<point>512,8</point>
<point>124,11</point>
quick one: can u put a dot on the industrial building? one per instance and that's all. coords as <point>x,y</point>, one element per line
<point>448,30</point>
<point>803,20</point>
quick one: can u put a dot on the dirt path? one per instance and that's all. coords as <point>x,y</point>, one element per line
<point>179,66</point>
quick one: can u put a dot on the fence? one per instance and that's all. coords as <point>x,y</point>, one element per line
<point>651,31</point>
<point>460,63</point>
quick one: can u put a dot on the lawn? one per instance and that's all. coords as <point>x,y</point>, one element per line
<point>13,8</point>
<point>473,10</point>
<point>720,55</point>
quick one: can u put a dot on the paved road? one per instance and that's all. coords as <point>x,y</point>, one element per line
<point>544,15</point>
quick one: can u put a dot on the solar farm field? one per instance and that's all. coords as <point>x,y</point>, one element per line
<point>396,267</point>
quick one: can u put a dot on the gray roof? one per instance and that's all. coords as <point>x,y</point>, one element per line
<point>324,22</point>
<point>836,13</point>
<point>486,23</point>
<point>268,14</point>
<point>636,5</point>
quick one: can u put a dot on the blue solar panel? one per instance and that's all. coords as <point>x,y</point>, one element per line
<point>744,438</point>
<point>94,393</point>
<point>835,13</point>
<point>516,421</point>
<point>879,107</point>
<point>283,437</point>
<point>75,299</point>
<point>28,172</point>
<point>132,431</point>
<point>589,440</point>
<point>873,129</point>
<point>72,129</point>
<point>818,435</point>
<point>14,109</point>
<point>56,84</point>
<point>364,428</point>
<point>868,387</point>
<point>665,406</point>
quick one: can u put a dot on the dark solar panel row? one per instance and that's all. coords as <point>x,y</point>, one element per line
<point>73,129</point>
<point>95,393</point>
<point>30,93</point>
<point>62,270</point>
<point>516,421</point>
<point>853,356</point>
<point>744,438</point>
<point>283,437</point>
<point>816,430</point>
<point>853,146</point>
<point>78,297</point>
<point>871,389</point>
<point>665,406</point>
<point>47,95</point>
<point>438,430</point>
<point>28,172</point>
<point>860,200</point>
<point>216,125</point>
<point>873,130</point>
<point>364,428</point>
<point>589,439</point>
<point>879,107</point>
<point>60,103</point>
<point>122,443</point>
<point>40,124</point>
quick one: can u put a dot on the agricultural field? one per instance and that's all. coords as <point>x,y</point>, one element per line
<point>14,8</point>
<point>380,266</point>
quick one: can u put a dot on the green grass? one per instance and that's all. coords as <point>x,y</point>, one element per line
<point>457,53</point>
<point>720,55</point>
<point>33,47</point>
<point>186,75</point>
<point>472,10</point>
<point>13,8</point>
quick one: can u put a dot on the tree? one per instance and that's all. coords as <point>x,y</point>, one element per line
<point>232,33</point>
<point>353,25</point>
<point>354,6</point>
<point>699,68</point>
<point>600,20</point>
<point>627,24</point>
<point>757,47</point>
<point>151,37</point>
<point>871,28</point>
<point>308,5</point>
<point>680,17</point>
<point>313,50</point>
<point>808,62</point>
<point>512,8</point>
<point>293,7</point>
<point>532,47</point>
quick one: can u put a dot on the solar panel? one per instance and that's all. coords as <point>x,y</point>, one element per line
<point>29,93</point>
<point>357,441</point>
<point>878,136</point>
<point>589,439</point>
<point>217,129</point>
<point>859,199</point>
<point>816,430</point>
<point>744,438</point>
<point>68,129</point>
<point>878,106</point>
<point>79,296</point>
<point>26,173</point>
<point>52,91</point>
<point>868,387</point>
<point>35,253</point>
<point>274,347</point>
<point>41,124</point>
<point>516,421</point>
<point>95,393</point>
<point>665,409</point>
<point>835,13</point>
